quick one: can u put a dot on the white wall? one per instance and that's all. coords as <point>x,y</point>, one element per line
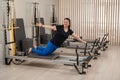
<point>1,33</point>
<point>24,9</point>
<point>93,18</point>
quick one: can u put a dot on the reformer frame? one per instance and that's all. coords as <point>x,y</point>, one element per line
<point>78,62</point>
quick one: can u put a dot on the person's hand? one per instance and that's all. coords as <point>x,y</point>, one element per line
<point>38,24</point>
<point>84,42</point>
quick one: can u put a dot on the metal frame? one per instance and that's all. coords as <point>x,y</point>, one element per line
<point>79,64</point>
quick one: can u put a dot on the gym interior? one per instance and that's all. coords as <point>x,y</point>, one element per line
<point>97,22</point>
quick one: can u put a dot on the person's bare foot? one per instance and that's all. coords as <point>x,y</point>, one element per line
<point>30,49</point>
<point>35,47</point>
<point>27,51</point>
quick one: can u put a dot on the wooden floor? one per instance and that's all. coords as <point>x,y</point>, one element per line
<point>107,67</point>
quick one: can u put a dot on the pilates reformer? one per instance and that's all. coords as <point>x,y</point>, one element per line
<point>99,44</point>
<point>77,61</point>
<point>104,42</point>
<point>92,47</point>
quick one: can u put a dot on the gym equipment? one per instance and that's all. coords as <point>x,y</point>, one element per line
<point>36,35</point>
<point>54,58</point>
<point>104,42</point>
<point>84,62</point>
<point>10,28</point>
<point>18,56</point>
<point>100,44</point>
<point>54,18</point>
<point>20,32</point>
<point>93,47</point>
<point>27,43</point>
<point>51,56</point>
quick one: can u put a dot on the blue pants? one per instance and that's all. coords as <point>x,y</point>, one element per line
<point>50,48</point>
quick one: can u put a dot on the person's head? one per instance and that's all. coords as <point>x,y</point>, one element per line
<point>67,22</point>
<point>37,23</point>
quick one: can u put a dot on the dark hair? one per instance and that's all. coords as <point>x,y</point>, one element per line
<point>69,21</point>
<point>37,21</point>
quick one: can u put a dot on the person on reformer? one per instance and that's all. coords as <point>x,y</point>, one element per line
<point>61,34</point>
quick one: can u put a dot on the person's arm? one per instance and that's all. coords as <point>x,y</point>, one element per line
<point>46,26</point>
<point>78,38</point>
<point>49,27</point>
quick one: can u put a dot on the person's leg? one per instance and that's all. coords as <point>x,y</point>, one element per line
<point>39,52</point>
<point>50,48</point>
<point>40,48</point>
<point>47,50</point>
